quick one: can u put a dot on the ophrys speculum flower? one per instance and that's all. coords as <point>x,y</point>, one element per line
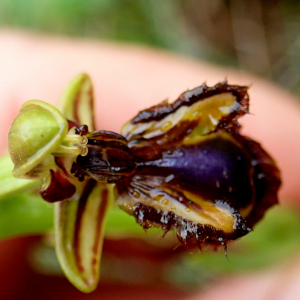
<point>180,166</point>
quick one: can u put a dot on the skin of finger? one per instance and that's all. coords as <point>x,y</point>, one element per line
<point>130,78</point>
<point>239,287</point>
<point>281,282</point>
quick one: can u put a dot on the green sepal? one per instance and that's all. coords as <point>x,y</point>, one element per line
<point>33,135</point>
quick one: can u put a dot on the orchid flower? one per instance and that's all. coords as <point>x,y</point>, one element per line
<point>182,166</point>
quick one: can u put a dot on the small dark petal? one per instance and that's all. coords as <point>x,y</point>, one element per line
<point>82,130</point>
<point>59,188</point>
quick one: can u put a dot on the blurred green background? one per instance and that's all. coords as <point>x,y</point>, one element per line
<point>260,36</point>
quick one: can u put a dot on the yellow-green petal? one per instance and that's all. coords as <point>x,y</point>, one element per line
<point>77,101</point>
<point>79,233</point>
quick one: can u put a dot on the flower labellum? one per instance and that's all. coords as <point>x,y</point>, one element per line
<point>182,166</point>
